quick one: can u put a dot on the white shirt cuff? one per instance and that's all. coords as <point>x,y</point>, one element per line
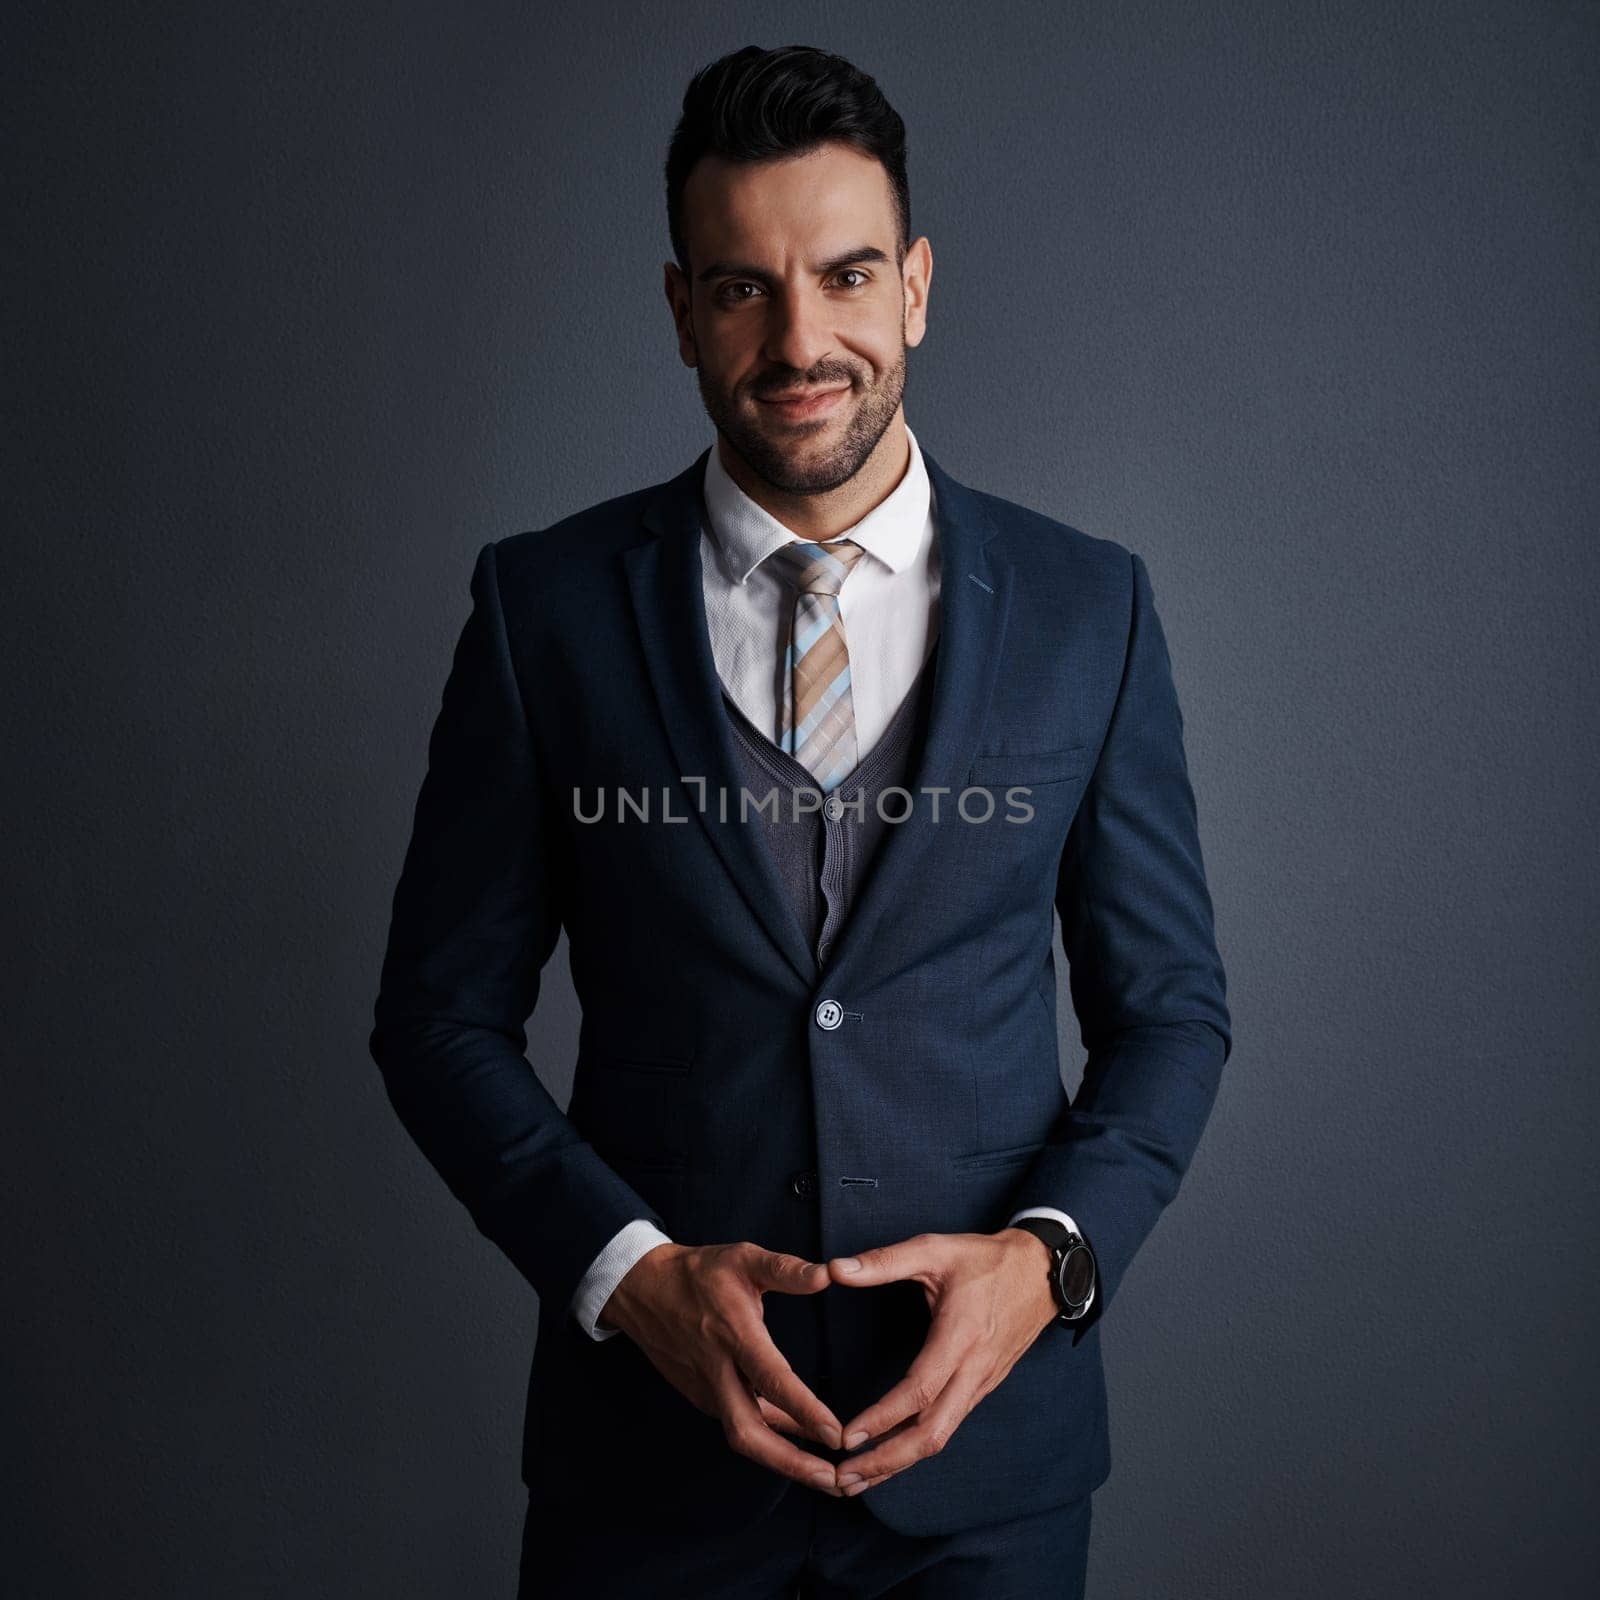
<point>608,1269</point>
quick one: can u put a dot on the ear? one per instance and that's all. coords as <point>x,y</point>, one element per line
<point>916,279</point>
<point>680,302</point>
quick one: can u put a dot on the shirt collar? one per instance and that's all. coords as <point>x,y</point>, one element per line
<point>745,533</point>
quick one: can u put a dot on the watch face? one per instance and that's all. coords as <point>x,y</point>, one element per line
<point>1077,1275</point>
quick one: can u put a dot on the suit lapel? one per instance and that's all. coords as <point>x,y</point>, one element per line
<point>664,579</point>
<point>974,602</point>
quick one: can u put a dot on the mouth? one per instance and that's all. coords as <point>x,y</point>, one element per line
<point>800,405</point>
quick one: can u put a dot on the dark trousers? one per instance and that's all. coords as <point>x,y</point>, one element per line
<point>810,1547</point>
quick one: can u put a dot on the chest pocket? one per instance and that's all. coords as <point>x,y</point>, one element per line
<point>1003,769</point>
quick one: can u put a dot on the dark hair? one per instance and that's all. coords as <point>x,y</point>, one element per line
<point>756,105</point>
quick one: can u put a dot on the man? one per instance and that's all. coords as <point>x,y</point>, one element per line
<point>804,748</point>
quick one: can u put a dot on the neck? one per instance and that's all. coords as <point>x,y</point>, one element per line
<point>826,516</point>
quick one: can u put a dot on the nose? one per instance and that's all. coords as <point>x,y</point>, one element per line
<point>798,332</point>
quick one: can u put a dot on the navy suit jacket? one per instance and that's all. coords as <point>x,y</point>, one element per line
<point>706,1084</point>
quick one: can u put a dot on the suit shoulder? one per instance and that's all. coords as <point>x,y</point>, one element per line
<point>1032,538</point>
<point>572,564</point>
<point>597,530</point>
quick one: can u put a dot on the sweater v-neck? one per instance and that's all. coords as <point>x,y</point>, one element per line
<point>885,753</point>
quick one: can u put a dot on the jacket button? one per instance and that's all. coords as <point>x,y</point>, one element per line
<point>830,1014</point>
<point>804,1183</point>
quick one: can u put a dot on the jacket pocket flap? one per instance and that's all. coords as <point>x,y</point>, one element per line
<point>1010,1155</point>
<point>1000,770</point>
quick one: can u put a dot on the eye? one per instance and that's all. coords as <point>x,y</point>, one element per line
<point>865,280</point>
<point>727,290</point>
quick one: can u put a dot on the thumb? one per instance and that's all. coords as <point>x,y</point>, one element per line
<point>885,1264</point>
<point>773,1269</point>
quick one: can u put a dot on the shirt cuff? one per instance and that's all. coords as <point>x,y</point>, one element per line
<point>608,1269</point>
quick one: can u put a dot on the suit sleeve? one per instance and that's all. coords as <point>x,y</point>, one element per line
<point>1147,982</point>
<point>475,917</point>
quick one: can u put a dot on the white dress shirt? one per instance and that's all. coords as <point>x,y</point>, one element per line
<point>889,605</point>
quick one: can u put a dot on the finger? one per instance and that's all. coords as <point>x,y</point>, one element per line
<point>931,1432</point>
<point>750,1436</point>
<point>763,1364</point>
<point>776,1417</point>
<point>923,1252</point>
<point>770,1377</point>
<point>773,1269</point>
<point>848,1464</point>
<point>935,1364</point>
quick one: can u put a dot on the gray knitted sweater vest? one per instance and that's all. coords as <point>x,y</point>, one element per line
<point>823,851</point>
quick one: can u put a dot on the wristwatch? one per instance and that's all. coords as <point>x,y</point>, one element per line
<point>1072,1269</point>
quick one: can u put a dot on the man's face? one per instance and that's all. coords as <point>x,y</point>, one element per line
<point>795,292</point>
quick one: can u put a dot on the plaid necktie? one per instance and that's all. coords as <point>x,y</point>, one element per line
<point>818,720</point>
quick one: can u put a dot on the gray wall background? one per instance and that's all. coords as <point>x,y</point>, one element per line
<point>304,303</point>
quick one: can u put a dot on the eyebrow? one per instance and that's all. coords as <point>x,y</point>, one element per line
<point>740,269</point>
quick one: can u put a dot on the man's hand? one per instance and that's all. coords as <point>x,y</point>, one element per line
<point>990,1298</point>
<point>695,1311</point>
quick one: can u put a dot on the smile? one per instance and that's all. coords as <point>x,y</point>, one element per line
<point>815,404</point>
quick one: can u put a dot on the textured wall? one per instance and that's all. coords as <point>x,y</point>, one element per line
<point>304,303</point>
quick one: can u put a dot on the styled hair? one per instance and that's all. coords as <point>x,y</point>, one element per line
<point>757,105</point>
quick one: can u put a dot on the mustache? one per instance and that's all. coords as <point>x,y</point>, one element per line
<point>782,385</point>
